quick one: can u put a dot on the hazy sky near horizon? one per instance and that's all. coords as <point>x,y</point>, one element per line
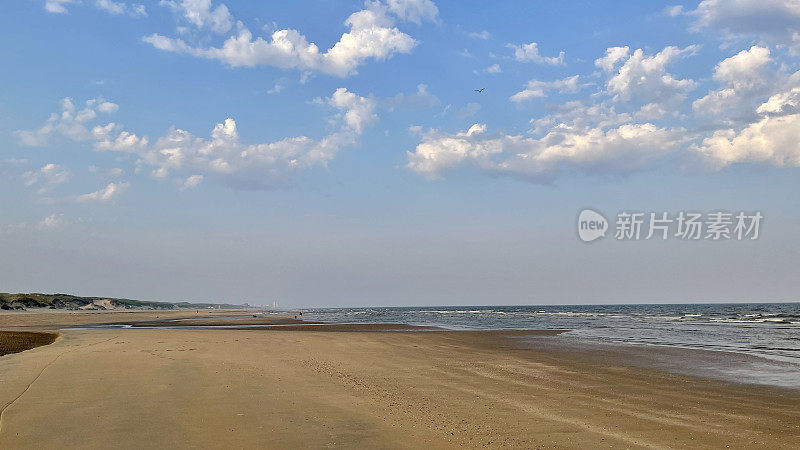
<point>335,153</point>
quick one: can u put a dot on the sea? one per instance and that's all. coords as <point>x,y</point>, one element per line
<point>756,343</point>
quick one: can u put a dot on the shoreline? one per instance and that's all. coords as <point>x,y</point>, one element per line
<point>738,368</point>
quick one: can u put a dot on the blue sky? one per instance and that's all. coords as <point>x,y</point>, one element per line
<point>325,153</point>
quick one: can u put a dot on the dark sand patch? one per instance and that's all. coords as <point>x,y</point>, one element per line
<point>19,341</point>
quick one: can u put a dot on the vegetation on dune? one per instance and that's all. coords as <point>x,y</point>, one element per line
<point>66,301</point>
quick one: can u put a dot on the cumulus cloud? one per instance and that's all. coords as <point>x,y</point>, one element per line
<point>358,112</point>
<point>494,68</point>
<point>621,149</point>
<point>530,53</point>
<point>744,79</point>
<point>112,137</point>
<point>105,195</point>
<point>774,21</point>
<point>578,115</point>
<point>612,57</point>
<point>538,89</point>
<point>223,155</point>
<point>645,76</point>
<point>771,140</point>
<point>372,35</point>
<point>782,103</point>
<point>618,130</point>
<point>70,123</point>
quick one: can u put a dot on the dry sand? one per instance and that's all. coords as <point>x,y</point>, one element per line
<point>157,388</point>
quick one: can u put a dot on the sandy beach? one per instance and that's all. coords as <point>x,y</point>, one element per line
<point>360,387</point>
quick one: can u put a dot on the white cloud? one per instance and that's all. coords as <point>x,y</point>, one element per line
<point>673,11</point>
<point>644,76</point>
<point>52,221</point>
<point>530,53</point>
<point>744,78</point>
<point>745,70</point>
<point>107,107</point>
<point>771,140</point>
<point>774,21</point>
<point>57,6</point>
<point>782,103</point>
<point>47,177</point>
<point>223,156</point>
<point>69,123</point>
<point>202,15</point>
<point>613,56</point>
<point>192,182</point>
<point>494,68</point>
<point>276,89</point>
<point>109,6</point>
<point>112,137</point>
<point>596,138</point>
<point>485,35</point>
<point>622,149</point>
<point>372,35</point>
<point>651,111</point>
<point>577,115</point>
<point>358,112</point>
<point>538,89</point>
<point>415,11</point>
<point>105,195</point>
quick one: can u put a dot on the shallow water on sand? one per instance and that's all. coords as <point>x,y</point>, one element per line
<point>765,335</point>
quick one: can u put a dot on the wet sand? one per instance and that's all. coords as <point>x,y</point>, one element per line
<point>19,341</point>
<point>255,388</point>
<point>55,319</point>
